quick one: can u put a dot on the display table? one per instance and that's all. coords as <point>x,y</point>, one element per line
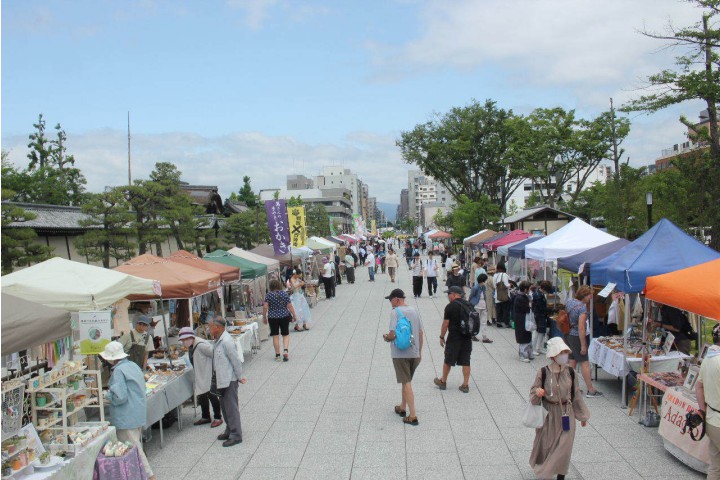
<point>168,397</point>
<point>675,404</point>
<point>80,466</point>
<point>127,467</point>
<point>616,364</point>
<point>248,341</point>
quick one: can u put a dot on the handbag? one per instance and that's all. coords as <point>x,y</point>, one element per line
<point>530,324</point>
<point>534,415</point>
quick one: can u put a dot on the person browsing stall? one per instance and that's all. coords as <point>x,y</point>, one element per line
<point>200,354</point>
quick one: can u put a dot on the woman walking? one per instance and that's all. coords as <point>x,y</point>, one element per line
<point>278,310</point>
<point>541,312</point>
<point>392,262</point>
<point>557,389</point>
<point>521,307</point>
<point>297,297</point>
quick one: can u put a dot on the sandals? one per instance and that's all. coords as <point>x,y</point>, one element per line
<point>400,411</point>
<point>285,355</point>
<point>411,421</point>
<point>464,388</point>
<point>297,328</point>
<point>305,327</point>
<point>442,385</point>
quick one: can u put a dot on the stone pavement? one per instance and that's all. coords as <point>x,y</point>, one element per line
<point>328,412</point>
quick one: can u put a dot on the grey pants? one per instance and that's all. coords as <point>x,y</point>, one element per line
<point>231,411</point>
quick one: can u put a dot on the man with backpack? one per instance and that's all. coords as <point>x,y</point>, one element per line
<point>460,323</point>
<point>406,335</point>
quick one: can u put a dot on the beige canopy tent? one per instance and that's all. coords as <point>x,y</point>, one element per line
<point>27,324</point>
<point>478,237</point>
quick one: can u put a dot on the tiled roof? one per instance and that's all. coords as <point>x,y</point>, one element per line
<point>530,212</point>
<point>51,217</point>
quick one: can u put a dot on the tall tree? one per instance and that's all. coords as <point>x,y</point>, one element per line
<point>696,77</point>
<point>467,150</point>
<point>469,216</point>
<point>40,150</point>
<point>246,193</point>
<point>318,221</point>
<point>108,229</point>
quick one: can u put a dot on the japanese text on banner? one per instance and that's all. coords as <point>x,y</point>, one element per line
<point>298,233</point>
<point>278,225</point>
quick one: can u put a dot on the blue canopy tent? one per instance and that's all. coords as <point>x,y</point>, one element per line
<point>518,250</point>
<point>662,249</point>
<point>588,257</point>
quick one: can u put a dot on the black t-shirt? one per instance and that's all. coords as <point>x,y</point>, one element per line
<point>454,313</point>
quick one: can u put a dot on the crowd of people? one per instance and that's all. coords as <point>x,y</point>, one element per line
<point>476,293</point>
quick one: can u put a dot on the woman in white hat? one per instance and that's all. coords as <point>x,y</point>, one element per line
<point>556,387</point>
<point>126,396</point>
<point>200,353</point>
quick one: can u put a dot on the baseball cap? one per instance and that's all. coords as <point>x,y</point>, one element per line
<point>457,290</point>
<point>397,293</point>
<point>143,319</point>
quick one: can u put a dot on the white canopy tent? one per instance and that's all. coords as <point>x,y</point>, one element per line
<point>26,324</point>
<point>321,244</point>
<point>74,286</point>
<point>575,237</point>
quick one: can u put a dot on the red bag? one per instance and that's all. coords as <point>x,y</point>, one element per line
<point>563,322</point>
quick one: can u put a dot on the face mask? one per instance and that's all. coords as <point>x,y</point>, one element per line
<point>562,359</point>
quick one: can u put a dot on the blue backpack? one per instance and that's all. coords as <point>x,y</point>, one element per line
<point>403,331</point>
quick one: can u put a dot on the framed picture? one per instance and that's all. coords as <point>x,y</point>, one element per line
<point>669,340</point>
<point>704,352</point>
<point>691,378</point>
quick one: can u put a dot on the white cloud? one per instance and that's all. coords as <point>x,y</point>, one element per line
<point>581,44</point>
<point>224,160</point>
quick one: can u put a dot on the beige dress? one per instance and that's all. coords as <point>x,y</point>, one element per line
<point>552,447</point>
<point>489,300</point>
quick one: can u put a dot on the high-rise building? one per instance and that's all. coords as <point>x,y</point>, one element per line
<point>371,208</point>
<point>338,177</point>
<point>424,189</point>
<point>403,210</point>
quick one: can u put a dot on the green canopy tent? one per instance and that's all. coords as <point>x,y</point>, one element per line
<point>253,278</point>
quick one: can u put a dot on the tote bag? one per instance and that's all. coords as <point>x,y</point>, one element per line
<point>534,416</point>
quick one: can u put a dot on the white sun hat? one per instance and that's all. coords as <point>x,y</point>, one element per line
<point>555,346</point>
<point>113,351</point>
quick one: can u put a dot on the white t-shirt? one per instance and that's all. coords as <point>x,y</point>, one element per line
<point>370,259</point>
<point>328,270</point>
<point>431,267</point>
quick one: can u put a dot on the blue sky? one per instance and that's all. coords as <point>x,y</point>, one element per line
<point>272,87</point>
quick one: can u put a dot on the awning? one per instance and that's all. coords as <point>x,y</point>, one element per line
<point>264,254</point>
<point>439,235</point>
<point>479,237</point>
<point>512,237</point>
<point>27,324</point>
<point>227,273</point>
<point>689,289</point>
<point>518,250</point>
<point>249,269</point>
<point>74,286</point>
<point>176,279</point>
<point>588,257</point>
<point>575,237</point>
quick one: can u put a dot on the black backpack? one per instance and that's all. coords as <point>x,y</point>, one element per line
<point>470,322</point>
<point>572,386</point>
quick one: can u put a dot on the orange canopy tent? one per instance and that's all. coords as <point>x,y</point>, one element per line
<point>692,289</point>
<point>440,234</point>
<point>177,280</point>
<point>227,273</point>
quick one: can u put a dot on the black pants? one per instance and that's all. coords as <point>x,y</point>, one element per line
<point>432,285</point>
<point>417,286</point>
<point>338,277</point>
<point>502,312</point>
<point>205,400</point>
<point>329,286</point>
<point>350,272</point>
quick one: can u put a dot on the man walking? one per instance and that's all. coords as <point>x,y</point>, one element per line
<point>501,281</point>
<point>417,275</point>
<point>126,395</point>
<point>431,272</point>
<point>328,278</point>
<point>370,262</point>
<point>350,266</point>
<point>227,372</point>
<point>457,346</point>
<point>405,361</point>
<point>392,263</point>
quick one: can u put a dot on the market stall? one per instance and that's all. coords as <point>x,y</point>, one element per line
<point>580,262</point>
<point>253,281</point>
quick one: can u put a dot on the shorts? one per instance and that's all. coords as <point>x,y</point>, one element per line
<point>279,325</point>
<point>458,352</point>
<point>574,343</point>
<point>405,368</point>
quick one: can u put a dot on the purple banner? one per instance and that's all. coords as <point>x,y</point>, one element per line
<point>278,225</point>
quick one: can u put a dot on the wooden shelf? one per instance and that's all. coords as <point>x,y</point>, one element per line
<point>57,380</point>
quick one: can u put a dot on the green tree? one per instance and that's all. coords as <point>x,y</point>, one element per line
<point>468,151</point>
<point>246,193</point>
<point>443,220</point>
<point>295,201</point>
<point>469,217</point>
<point>108,221</point>
<point>696,77</point>
<point>40,149</point>
<point>408,225</point>
<point>317,221</point>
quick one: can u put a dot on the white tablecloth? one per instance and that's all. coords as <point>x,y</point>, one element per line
<point>248,341</point>
<point>613,362</point>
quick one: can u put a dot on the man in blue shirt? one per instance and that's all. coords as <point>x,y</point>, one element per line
<point>126,396</point>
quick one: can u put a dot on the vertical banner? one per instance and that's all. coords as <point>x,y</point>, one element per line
<point>278,225</point>
<point>332,227</point>
<point>298,232</point>
<point>374,228</point>
<point>95,331</point>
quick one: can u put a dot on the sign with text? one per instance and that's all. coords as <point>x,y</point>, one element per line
<point>95,331</point>
<point>278,225</point>
<point>298,232</point>
<point>675,404</point>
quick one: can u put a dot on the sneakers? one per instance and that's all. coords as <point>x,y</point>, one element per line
<point>441,385</point>
<point>475,339</point>
<point>486,340</point>
<point>596,393</point>
<point>525,360</point>
<point>464,388</point>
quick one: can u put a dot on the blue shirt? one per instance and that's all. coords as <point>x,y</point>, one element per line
<point>128,408</point>
<point>278,304</point>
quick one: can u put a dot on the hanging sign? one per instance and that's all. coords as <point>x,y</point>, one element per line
<point>298,232</point>
<point>278,225</point>
<point>95,331</point>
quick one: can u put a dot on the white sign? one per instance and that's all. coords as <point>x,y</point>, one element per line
<point>675,405</point>
<point>607,290</point>
<point>95,331</point>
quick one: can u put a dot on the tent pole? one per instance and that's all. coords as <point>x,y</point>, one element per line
<point>623,403</point>
<point>167,332</point>
<point>222,299</point>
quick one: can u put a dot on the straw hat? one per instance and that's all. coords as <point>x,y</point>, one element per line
<point>113,351</point>
<point>555,346</point>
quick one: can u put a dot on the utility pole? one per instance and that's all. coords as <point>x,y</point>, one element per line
<point>129,170</point>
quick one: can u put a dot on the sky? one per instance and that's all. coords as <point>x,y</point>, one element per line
<point>267,88</point>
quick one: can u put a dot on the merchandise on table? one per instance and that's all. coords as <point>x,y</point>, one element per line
<point>116,449</point>
<point>668,379</point>
<point>155,381</point>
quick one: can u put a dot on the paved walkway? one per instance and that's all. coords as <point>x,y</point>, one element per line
<point>327,414</point>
